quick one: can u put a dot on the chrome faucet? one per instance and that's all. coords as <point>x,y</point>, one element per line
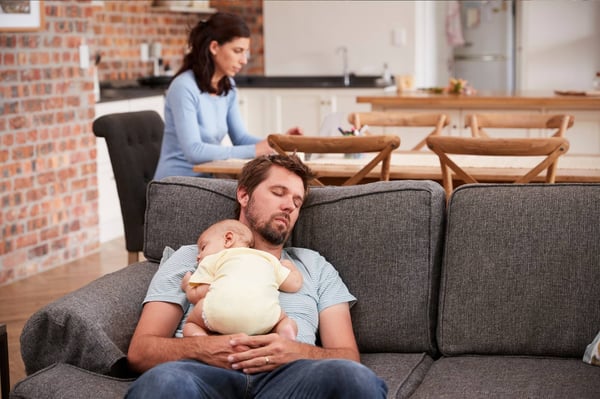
<point>344,51</point>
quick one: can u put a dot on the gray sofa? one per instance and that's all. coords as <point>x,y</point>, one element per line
<point>496,296</point>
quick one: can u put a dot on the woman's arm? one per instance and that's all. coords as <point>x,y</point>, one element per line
<point>188,109</point>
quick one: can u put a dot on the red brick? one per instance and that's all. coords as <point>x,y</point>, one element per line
<point>36,194</point>
<point>14,258</point>
<point>37,223</point>
<point>24,182</point>
<point>7,139</point>
<point>26,240</point>
<point>23,152</point>
<point>18,122</point>
<point>46,177</point>
<point>38,251</point>
<point>50,233</point>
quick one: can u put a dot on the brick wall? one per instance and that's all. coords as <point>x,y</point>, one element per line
<point>48,184</point>
<point>120,28</point>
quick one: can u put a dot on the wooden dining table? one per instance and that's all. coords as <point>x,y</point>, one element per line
<point>423,165</point>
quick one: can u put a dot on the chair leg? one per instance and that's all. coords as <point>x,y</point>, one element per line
<point>133,257</point>
<point>4,372</point>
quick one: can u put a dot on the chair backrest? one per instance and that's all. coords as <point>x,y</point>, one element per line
<point>133,140</point>
<point>550,147</point>
<point>479,122</point>
<point>401,119</point>
<point>382,145</point>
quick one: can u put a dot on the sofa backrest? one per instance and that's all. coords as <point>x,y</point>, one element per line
<point>384,238</point>
<point>520,270</point>
<point>179,208</point>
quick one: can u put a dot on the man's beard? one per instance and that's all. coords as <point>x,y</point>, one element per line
<point>266,230</point>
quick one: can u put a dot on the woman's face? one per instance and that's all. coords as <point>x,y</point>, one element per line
<point>230,57</point>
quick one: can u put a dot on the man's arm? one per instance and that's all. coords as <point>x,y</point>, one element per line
<point>337,339</point>
<point>153,342</point>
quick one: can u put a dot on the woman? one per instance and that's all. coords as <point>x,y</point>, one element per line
<point>201,103</point>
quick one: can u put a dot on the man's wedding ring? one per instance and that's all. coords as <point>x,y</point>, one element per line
<point>267,361</point>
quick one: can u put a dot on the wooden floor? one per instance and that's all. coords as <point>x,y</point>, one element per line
<point>22,298</point>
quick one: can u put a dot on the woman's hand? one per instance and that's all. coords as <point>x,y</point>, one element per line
<point>263,148</point>
<point>295,131</point>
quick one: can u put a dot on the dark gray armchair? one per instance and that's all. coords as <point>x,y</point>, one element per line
<point>133,140</point>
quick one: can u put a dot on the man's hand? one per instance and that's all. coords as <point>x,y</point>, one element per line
<point>264,352</point>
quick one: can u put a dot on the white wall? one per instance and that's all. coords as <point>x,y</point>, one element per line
<point>559,44</point>
<point>301,37</point>
<point>559,40</point>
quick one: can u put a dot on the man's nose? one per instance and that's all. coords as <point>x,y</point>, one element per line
<point>288,204</point>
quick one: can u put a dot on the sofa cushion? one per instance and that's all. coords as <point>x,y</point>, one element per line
<point>180,208</point>
<point>464,377</point>
<point>402,372</point>
<point>521,270</point>
<point>65,381</point>
<point>91,327</point>
<point>385,240</point>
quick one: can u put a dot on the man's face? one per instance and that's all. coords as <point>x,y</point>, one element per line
<point>273,209</point>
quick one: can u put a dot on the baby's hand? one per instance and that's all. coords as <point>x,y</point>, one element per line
<point>185,281</point>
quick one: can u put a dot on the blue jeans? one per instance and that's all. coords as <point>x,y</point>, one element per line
<point>302,379</point>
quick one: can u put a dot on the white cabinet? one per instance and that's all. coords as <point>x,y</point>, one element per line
<point>268,111</point>
<point>109,209</point>
<point>584,135</point>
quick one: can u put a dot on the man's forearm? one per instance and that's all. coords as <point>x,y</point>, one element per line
<point>317,352</point>
<point>149,351</point>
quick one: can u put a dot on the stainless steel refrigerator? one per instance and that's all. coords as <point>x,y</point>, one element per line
<point>487,58</point>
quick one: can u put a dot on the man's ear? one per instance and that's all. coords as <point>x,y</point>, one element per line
<point>242,196</point>
<point>229,239</point>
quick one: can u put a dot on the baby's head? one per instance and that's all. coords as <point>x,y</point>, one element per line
<point>228,233</point>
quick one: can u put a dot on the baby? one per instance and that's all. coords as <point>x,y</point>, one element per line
<point>235,287</point>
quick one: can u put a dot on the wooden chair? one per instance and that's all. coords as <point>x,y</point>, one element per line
<point>479,122</point>
<point>382,145</point>
<point>550,147</point>
<point>400,119</point>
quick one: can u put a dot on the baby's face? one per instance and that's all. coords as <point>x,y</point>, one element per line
<point>208,245</point>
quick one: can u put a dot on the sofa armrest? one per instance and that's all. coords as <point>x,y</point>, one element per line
<point>91,327</point>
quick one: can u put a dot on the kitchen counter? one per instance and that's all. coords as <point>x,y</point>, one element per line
<point>157,85</point>
<point>522,100</point>
<point>584,136</point>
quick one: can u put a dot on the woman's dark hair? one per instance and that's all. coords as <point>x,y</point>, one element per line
<point>257,170</point>
<point>222,28</point>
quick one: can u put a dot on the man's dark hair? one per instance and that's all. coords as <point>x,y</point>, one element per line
<point>256,171</point>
